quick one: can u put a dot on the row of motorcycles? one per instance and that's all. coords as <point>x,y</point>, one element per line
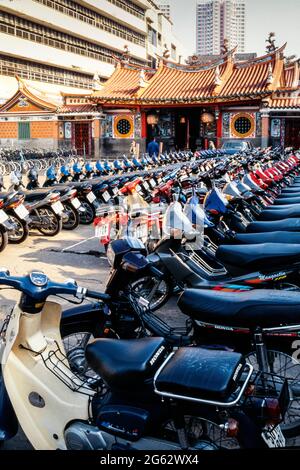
<point>113,374</point>
<point>68,197</point>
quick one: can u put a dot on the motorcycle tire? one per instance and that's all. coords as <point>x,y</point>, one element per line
<point>22,228</point>
<point>87,218</point>
<point>3,238</point>
<point>57,225</point>
<point>286,367</point>
<point>158,295</point>
<point>73,219</point>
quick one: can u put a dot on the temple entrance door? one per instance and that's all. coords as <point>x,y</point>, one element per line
<point>182,132</point>
<point>292,133</point>
<point>82,138</point>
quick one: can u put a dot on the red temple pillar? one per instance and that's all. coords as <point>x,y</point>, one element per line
<point>143,125</point>
<point>219,129</point>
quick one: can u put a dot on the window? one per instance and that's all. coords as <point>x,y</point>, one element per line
<point>53,38</point>
<point>24,130</point>
<point>81,13</point>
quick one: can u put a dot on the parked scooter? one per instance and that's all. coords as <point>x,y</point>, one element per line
<point>146,405</point>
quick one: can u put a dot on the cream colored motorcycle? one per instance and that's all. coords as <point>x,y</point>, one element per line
<point>141,396</point>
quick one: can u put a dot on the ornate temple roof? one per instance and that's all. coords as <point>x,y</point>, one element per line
<point>217,81</point>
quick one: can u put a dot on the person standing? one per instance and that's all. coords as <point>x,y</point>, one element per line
<point>153,148</point>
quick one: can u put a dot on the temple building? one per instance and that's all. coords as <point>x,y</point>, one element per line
<point>184,106</point>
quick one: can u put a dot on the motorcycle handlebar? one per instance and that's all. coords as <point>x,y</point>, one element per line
<point>97,295</point>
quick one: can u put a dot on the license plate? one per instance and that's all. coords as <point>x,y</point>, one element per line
<point>152,182</point>
<point>102,230</point>
<point>115,190</point>
<point>146,185</point>
<point>76,203</point>
<point>106,196</point>
<point>3,216</point>
<point>141,231</point>
<point>57,207</point>
<point>21,211</point>
<point>273,437</point>
<point>91,197</point>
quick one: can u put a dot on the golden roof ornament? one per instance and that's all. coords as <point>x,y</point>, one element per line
<point>225,47</point>
<point>126,54</point>
<point>166,53</point>
<point>96,82</point>
<point>142,79</point>
<point>270,75</point>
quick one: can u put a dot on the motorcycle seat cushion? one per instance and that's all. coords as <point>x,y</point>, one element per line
<point>36,195</point>
<point>267,237</point>
<point>124,364</point>
<point>263,308</point>
<point>278,214</point>
<point>287,200</point>
<point>287,225</point>
<point>196,373</point>
<point>261,256</point>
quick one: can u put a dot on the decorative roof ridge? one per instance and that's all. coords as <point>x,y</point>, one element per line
<point>121,63</point>
<point>22,88</point>
<point>264,58</point>
<point>198,67</point>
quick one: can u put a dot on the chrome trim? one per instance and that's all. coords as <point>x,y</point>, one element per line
<point>280,328</point>
<point>199,400</point>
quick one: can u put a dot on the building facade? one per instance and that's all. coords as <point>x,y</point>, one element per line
<point>165,7</point>
<point>217,21</point>
<point>185,106</point>
<point>68,42</point>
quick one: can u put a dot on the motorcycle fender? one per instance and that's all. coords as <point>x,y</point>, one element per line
<point>8,419</point>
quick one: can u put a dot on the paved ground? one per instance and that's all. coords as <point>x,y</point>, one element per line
<point>75,255</point>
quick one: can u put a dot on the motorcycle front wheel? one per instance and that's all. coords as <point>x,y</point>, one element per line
<point>54,225</point>
<point>73,217</point>
<point>87,217</point>
<point>20,234</point>
<point>3,238</point>
<point>156,291</point>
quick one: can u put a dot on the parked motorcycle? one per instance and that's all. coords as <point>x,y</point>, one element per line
<point>154,397</point>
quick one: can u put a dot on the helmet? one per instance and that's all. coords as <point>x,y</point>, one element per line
<point>65,170</point>
<point>32,175</point>
<point>77,168</point>
<point>51,173</point>
<point>99,166</point>
<point>89,168</point>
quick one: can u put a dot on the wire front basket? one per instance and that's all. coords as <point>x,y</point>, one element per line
<point>57,363</point>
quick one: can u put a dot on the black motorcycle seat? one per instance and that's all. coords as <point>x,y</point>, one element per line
<point>266,237</point>
<point>261,256</point>
<point>278,214</point>
<point>286,225</point>
<point>265,308</point>
<point>125,363</point>
<point>287,200</point>
<point>36,195</point>
<point>196,373</point>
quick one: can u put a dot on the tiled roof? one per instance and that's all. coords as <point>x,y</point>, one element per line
<point>248,79</point>
<point>288,99</point>
<point>77,108</point>
<point>175,83</point>
<point>124,83</point>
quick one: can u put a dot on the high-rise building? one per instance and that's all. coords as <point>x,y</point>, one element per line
<point>70,43</point>
<point>165,7</point>
<point>219,20</point>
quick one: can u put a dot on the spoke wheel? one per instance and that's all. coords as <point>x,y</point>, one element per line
<point>286,367</point>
